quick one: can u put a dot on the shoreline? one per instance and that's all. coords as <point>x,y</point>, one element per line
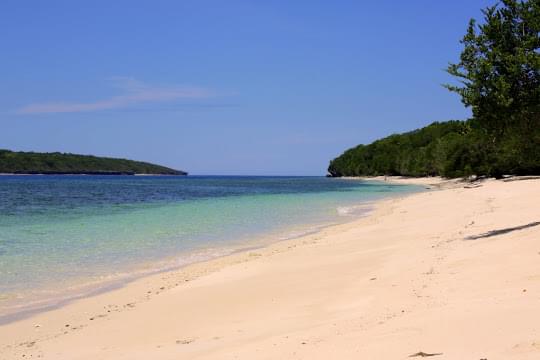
<point>435,182</point>
<point>171,264</point>
<point>117,284</point>
<point>103,288</point>
<point>252,278</point>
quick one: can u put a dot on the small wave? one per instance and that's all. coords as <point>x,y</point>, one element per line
<point>354,210</point>
<point>303,232</point>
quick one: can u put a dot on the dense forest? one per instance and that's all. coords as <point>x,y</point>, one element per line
<point>61,163</point>
<point>437,149</point>
<point>499,79</point>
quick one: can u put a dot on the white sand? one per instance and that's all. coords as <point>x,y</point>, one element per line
<point>401,281</point>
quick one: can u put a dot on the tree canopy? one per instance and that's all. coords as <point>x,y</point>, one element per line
<point>499,78</point>
<point>499,71</point>
<point>437,149</point>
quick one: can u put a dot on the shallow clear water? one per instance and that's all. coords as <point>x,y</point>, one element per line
<point>61,234</point>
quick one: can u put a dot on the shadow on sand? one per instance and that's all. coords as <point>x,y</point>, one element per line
<point>502,231</point>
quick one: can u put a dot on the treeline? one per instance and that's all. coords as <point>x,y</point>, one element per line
<point>449,149</point>
<point>424,152</point>
<point>64,163</point>
<point>499,79</point>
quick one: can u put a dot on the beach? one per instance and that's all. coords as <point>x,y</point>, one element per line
<point>451,272</point>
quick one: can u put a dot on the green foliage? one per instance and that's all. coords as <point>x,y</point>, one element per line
<point>60,163</point>
<point>499,72</point>
<point>437,149</point>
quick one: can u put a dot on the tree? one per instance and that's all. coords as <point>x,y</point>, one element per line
<point>499,72</point>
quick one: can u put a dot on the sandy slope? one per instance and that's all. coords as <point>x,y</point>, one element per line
<point>417,275</point>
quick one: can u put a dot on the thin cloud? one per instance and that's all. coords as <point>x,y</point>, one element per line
<point>134,92</point>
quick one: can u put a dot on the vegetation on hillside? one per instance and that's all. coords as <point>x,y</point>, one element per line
<point>499,76</point>
<point>437,149</point>
<point>61,163</point>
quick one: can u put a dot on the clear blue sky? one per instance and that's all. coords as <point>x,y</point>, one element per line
<point>225,87</point>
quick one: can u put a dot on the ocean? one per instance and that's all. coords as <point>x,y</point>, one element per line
<point>63,237</point>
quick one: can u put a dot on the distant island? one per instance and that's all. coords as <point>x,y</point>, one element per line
<point>57,163</point>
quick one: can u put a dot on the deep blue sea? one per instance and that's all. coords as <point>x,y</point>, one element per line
<point>62,236</point>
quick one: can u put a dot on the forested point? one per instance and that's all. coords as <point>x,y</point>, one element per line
<point>437,149</point>
<point>63,163</point>
<point>498,77</point>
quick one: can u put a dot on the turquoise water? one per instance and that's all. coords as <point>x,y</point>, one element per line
<point>62,236</point>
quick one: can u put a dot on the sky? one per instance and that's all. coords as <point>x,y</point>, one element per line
<point>225,87</point>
